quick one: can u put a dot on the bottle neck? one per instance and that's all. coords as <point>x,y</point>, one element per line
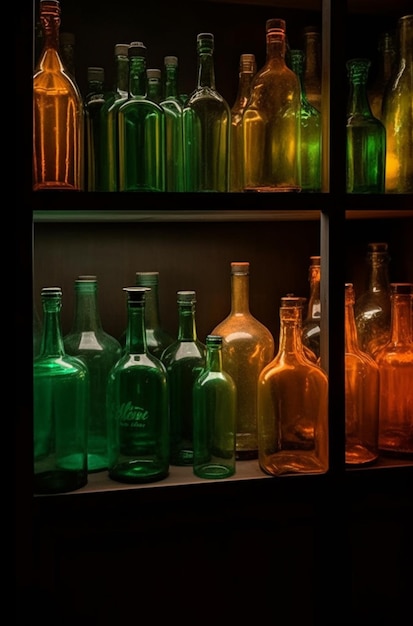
<point>239,293</point>
<point>86,317</point>
<point>122,76</point>
<point>171,82</point>
<point>378,273</point>
<point>276,48</point>
<point>137,77</point>
<point>298,68</point>
<point>154,90</point>
<point>358,101</point>
<point>52,340</point>
<point>350,334</point>
<point>152,314</point>
<point>290,332</point>
<point>401,319</point>
<point>406,42</point>
<point>186,322</point>
<point>206,71</point>
<point>214,358</point>
<point>51,29</point>
<point>244,89</point>
<point>135,330</point>
<point>314,304</point>
<point>311,70</point>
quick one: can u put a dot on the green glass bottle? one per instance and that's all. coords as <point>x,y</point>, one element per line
<point>141,131</point>
<point>154,84</point>
<point>37,331</point>
<point>214,397</point>
<point>310,136</point>
<point>366,136</point>
<point>109,127</point>
<point>137,401</point>
<point>171,104</point>
<point>207,127</point>
<point>398,114</point>
<point>100,351</point>
<point>292,404</point>
<point>60,407</point>
<point>271,121</point>
<point>94,100</point>
<point>184,359</point>
<point>247,70</point>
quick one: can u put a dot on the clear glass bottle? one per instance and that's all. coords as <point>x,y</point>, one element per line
<point>184,360</point>
<point>100,351</point>
<point>247,346</point>
<point>141,131</point>
<point>385,63</point>
<point>397,113</point>
<point>58,124</point>
<point>214,396</point>
<point>292,404</point>
<point>60,407</point>
<point>137,401</point>
<point>312,66</point>
<point>154,82</point>
<point>109,127</point>
<point>247,71</point>
<point>372,307</point>
<point>361,394</point>
<point>207,127</point>
<point>310,136</point>
<point>271,121</point>
<point>366,136</point>
<point>311,329</point>
<point>395,361</point>
<point>67,52</point>
<point>94,100</point>
<point>171,104</point>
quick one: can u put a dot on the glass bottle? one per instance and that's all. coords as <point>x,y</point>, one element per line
<point>109,127</point>
<point>94,100</point>
<point>154,90</point>
<point>310,136</point>
<point>171,104</point>
<point>366,136</point>
<point>361,394</point>
<point>67,52</point>
<point>141,131</point>
<point>214,396</point>
<point>57,113</point>
<point>386,58</point>
<point>184,359</point>
<point>207,127</point>
<point>60,406</point>
<point>292,404</point>
<point>372,307</point>
<point>311,329</point>
<point>37,331</point>
<point>397,114</point>
<point>137,401</point>
<point>395,361</point>
<point>100,351</point>
<point>312,66</point>
<point>271,121</point>
<point>247,346</point>
<point>157,338</point>
<point>247,71</point>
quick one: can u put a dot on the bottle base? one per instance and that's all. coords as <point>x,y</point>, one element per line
<point>134,472</point>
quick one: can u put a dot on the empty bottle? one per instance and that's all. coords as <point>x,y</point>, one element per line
<point>311,329</point>
<point>60,407</point>
<point>214,397</point>
<point>385,65</point>
<point>171,104</point>
<point>207,127</point>
<point>137,401</point>
<point>184,359</point>
<point>312,66</point>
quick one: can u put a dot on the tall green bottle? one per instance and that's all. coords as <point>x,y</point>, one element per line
<point>141,131</point>
<point>207,127</point>
<point>214,397</point>
<point>137,401</point>
<point>100,351</point>
<point>171,104</point>
<point>366,136</point>
<point>310,137</point>
<point>184,359</point>
<point>60,407</point>
<point>109,144</point>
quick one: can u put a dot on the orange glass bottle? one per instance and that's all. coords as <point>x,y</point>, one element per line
<point>57,113</point>
<point>362,393</point>
<point>395,361</point>
<point>247,346</point>
<point>292,404</point>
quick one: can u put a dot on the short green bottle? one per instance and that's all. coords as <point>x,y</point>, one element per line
<point>100,351</point>
<point>214,397</point>
<point>60,407</point>
<point>137,401</point>
<point>184,359</point>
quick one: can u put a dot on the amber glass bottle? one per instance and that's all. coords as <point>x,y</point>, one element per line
<point>292,404</point>
<point>362,393</point>
<point>385,64</point>
<point>311,325</point>
<point>312,66</point>
<point>395,361</point>
<point>247,346</point>
<point>57,113</point>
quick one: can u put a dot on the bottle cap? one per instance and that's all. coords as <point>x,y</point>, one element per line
<point>247,63</point>
<point>170,60</point>
<point>205,42</point>
<point>136,295</point>
<point>147,278</point>
<point>290,300</point>
<point>51,292</point>
<point>377,247</point>
<point>121,49</point>
<point>153,73</point>
<point>96,74</point>
<point>275,25</point>
<point>240,267</point>
<point>401,288</point>
<point>315,260</point>
<point>186,296</point>
<point>137,49</point>
<point>213,340</point>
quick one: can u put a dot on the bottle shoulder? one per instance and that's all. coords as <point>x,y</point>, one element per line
<point>181,350</point>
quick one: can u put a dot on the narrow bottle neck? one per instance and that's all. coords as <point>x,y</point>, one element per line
<point>401,319</point>
<point>52,340</point>
<point>244,89</point>
<point>137,77</point>
<point>152,314</point>
<point>214,359</point>
<point>51,31</point>
<point>314,304</point>
<point>406,42</point>
<point>312,63</point>
<point>171,82</point>
<point>350,334</point>
<point>186,322</point>
<point>290,332</point>
<point>239,293</point>
<point>358,101</point>
<point>122,75</point>
<point>86,317</point>
<point>206,71</point>
<point>276,48</point>
<point>378,273</point>
<point>135,331</point>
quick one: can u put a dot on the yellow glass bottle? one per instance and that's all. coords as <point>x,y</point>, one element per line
<point>292,404</point>
<point>362,393</point>
<point>385,63</point>
<point>57,113</point>
<point>247,346</point>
